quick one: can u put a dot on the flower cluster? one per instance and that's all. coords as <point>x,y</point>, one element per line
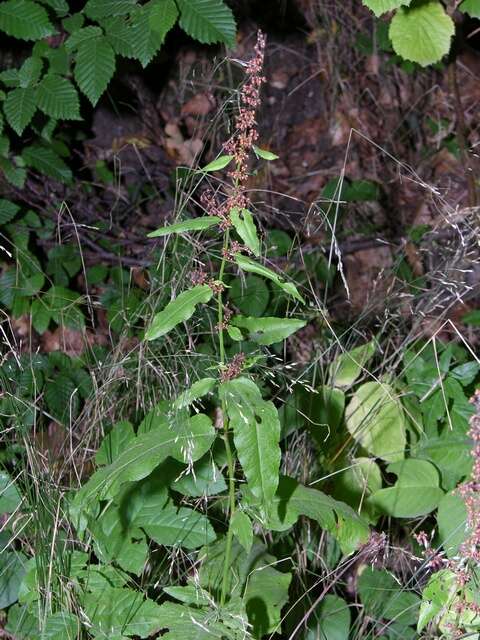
<point>234,368</point>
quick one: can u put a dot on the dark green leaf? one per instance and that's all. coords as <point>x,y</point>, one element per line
<point>58,98</point>
<point>25,19</point>
<point>19,108</point>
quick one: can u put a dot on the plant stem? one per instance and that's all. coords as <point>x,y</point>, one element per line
<point>228,449</point>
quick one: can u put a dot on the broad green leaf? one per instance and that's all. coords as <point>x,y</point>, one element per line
<point>242,529</point>
<point>216,165</point>
<point>265,595</point>
<point>79,36</point>
<point>10,498</point>
<point>193,623</point>
<point>30,71</point>
<point>450,453</point>
<point>375,419</point>
<point>383,597</point>
<point>256,433</point>
<point>120,34</point>
<point>323,410</point>
<point>251,295</point>
<point>422,33</point>
<point>190,594</point>
<point>268,330</point>
<point>58,98</point>
<point>204,479</point>
<point>416,493</point>
<point>357,483</point>
<point>94,67</point>
<point>8,210</point>
<point>265,154</point>
<point>245,227</point>
<point>382,6</point>
<point>452,523</point>
<point>131,615</point>
<point>25,19</point>
<point>14,174</point>
<point>199,389</point>
<point>62,625</point>
<point>100,9</point>
<point>12,570</point>
<point>293,500</point>
<point>177,311</point>
<point>253,267</point>
<point>114,443</point>
<point>150,24</point>
<point>331,621</point>
<point>59,6</point>
<point>207,21</point>
<point>19,108</point>
<point>45,160</point>
<point>196,224</point>
<point>180,527</point>
<point>472,7</point>
<point>189,441</point>
<point>346,368</point>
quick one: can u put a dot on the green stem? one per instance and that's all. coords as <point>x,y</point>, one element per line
<point>228,449</point>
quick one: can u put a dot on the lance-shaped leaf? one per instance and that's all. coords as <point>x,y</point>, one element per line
<point>196,224</point>
<point>268,330</point>
<point>253,267</point>
<point>245,227</point>
<point>217,164</point>
<point>178,310</point>
<point>256,433</point>
<point>188,442</point>
<point>198,389</point>
<point>346,368</point>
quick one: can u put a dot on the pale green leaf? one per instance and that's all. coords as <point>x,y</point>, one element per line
<point>375,419</point>
<point>422,33</point>
<point>25,19</point>
<point>357,483</point>
<point>196,224</point>
<point>293,500</point>
<point>58,98</point>
<point>383,6</point>
<point>244,224</point>
<point>94,67</point>
<point>452,523</point>
<point>45,160</point>
<point>193,623</point>
<point>216,165</point>
<point>472,7</point>
<point>416,493</point>
<point>198,389</point>
<point>242,529</point>
<point>207,21</point>
<point>10,498</point>
<point>256,433</point>
<point>177,311</point>
<point>181,527</point>
<point>253,267</point>
<point>265,154</point>
<point>235,334</point>
<point>268,330</point>
<point>346,368</point>
<point>150,24</point>
<point>62,625</point>
<point>19,108</point>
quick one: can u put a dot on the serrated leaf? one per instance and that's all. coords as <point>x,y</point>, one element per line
<point>416,492</point>
<point>256,433</point>
<point>207,21</point>
<point>62,398</point>
<point>422,33</point>
<point>244,224</point>
<point>217,164</point>
<point>177,311</point>
<point>14,175</point>
<point>265,154</point>
<point>94,67</point>
<point>45,160</point>
<point>58,98</point>
<point>30,71</point>
<point>59,6</point>
<point>375,419</point>
<point>25,19</point>
<point>10,78</point>
<point>196,224</point>
<point>268,330</point>
<point>81,35</point>
<point>99,9</point>
<point>253,267</point>
<point>472,7</point>
<point>242,529</point>
<point>180,527</point>
<point>8,210</point>
<point>121,36</point>
<point>382,6</point>
<point>150,24</point>
<point>19,108</point>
